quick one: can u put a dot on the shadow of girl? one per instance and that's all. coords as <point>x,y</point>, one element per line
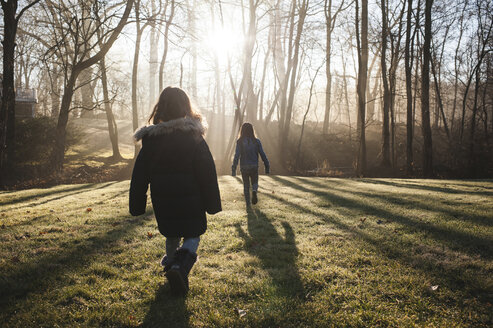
<point>167,310</point>
<point>277,254</point>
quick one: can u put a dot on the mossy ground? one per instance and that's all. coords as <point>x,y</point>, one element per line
<point>314,252</point>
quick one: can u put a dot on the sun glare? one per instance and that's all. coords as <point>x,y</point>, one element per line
<point>224,42</point>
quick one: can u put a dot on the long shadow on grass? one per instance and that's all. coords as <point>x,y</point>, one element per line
<point>419,201</point>
<point>430,188</point>
<point>457,240</point>
<point>38,219</point>
<point>277,253</point>
<point>167,311</point>
<point>43,272</point>
<point>73,190</point>
<point>395,248</point>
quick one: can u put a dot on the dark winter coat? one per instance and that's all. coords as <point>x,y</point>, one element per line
<point>175,160</point>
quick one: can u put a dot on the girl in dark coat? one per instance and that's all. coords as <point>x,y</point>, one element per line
<point>175,160</point>
<point>247,150</point>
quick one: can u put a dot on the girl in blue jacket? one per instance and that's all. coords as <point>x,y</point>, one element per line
<point>247,150</point>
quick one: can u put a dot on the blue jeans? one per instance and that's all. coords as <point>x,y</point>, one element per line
<point>172,243</point>
<point>249,175</point>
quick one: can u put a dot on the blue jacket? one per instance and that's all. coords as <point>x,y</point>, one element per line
<point>247,151</point>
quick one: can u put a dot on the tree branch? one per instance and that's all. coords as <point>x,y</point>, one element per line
<point>23,10</point>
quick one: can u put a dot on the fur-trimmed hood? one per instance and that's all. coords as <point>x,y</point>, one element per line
<point>186,124</point>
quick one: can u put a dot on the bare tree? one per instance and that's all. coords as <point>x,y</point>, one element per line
<point>168,21</point>
<point>408,60</point>
<point>7,110</point>
<point>330,23</point>
<point>362,46</point>
<point>285,124</point>
<point>425,95</point>
<point>77,61</point>
<point>386,90</point>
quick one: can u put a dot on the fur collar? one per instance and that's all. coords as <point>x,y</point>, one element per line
<point>186,124</point>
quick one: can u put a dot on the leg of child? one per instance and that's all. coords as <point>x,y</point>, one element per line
<point>172,244</point>
<point>254,177</point>
<point>246,185</point>
<point>191,244</point>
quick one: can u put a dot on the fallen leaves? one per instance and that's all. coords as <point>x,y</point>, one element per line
<point>150,235</point>
<point>241,313</point>
<point>24,236</point>
<point>434,288</point>
<point>88,209</point>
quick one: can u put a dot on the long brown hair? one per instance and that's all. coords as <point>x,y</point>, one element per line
<point>247,131</point>
<point>173,104</point>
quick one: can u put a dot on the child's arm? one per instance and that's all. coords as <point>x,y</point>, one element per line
<point>205,171</point>
<point>264,157</point>
<point>139,185</point>
<point>235,160</point>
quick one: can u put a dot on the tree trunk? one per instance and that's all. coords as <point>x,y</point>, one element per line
<point>395,54</point>
<point>425,95</point>
<point>61,130</point>
<point>298,152</point>
<point>55,92</point>
<point>7,111</point>
<point>439,101</point>
<point>284,83</point>
<point>249,94</point>
<point>328,74</point>
<point>346,99</point>
<point>362,44</point>
<point>112,127</point>
<point>169,20</point>
<point>153,61</point>
<point>386,91</point>
<point>409,92</point>
<point>289,110</point>
<point>193,50</point>
<point>472,157</point>
<point>135,70</point>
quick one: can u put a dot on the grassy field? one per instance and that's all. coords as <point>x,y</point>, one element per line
<point>314,252</point>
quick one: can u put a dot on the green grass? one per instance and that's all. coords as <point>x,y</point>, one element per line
<point>314,252</point>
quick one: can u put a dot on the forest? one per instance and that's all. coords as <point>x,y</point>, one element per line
<point>390,88</point>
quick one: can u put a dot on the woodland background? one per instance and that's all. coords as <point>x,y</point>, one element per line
<point>342,88</point>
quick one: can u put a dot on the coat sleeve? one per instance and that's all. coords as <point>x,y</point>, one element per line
<point>205,171</point>
<point>236,159</point>
<point>264,157</point>
<point>138,185</point>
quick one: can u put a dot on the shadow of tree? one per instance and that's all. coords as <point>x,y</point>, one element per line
<point>444,189</point>
<point>395,247</point>
<point>276,252</point>
<point>167,310</point>
<point>66,192</point>
<point>40,274</point>
<point>458,240</point>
